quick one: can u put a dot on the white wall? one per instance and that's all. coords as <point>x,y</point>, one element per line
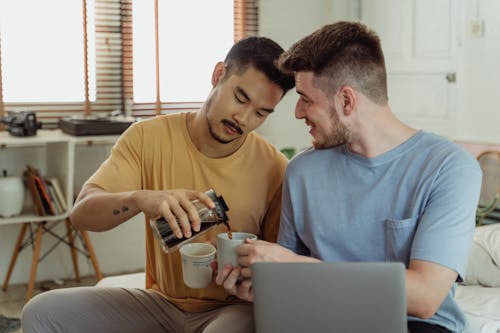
<point>479,117</point>
<point>478,113</point>
<point>119,250</point>
<point>287,21</point>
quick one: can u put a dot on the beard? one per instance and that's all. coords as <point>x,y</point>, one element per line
<point>339,134</point>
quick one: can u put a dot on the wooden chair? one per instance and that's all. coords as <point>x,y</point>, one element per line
<point>489,161</point>
<point>34,239</point>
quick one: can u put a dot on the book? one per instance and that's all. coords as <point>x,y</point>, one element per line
<point>59,194</point>
<point>44,195</point>
<point>29,179</point>
<point>53,198</point>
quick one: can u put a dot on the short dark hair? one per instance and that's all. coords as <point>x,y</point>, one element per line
<point>262,54</point>
<point>342,53</point>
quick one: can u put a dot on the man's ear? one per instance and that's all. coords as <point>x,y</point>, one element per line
<point>218,73</point>
<point>348,100</point>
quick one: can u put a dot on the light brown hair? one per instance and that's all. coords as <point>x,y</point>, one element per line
<point>339,54</point>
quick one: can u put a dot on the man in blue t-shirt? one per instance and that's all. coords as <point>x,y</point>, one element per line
<point>372,188</point>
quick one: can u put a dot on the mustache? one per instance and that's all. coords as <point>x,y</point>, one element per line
<point>232,125</point>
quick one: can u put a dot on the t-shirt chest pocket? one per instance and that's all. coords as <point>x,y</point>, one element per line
<point>399,236</point>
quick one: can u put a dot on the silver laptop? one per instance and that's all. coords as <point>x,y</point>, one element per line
<point>329,297</point>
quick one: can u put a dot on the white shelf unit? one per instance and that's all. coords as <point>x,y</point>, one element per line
<point>69,159</point>
<point>52,153</point>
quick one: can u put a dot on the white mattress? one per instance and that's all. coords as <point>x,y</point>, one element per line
<point>481,306</point>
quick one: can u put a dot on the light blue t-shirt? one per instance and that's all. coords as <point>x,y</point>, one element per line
<point>416,201</point>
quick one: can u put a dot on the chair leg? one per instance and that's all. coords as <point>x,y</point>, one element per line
<point>34,259</point>
<point>90,250</point>
<point>37,245</point>
<point>71,241</point>
<point>15,253</point>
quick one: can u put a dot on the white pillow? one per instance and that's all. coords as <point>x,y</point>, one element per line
<point>481,270</point>
<point>483,267</point>
<point>488,237</point>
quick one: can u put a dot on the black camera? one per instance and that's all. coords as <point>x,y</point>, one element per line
<point>21,123</point>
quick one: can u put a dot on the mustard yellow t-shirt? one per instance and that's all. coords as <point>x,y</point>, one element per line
<point>158,154</point>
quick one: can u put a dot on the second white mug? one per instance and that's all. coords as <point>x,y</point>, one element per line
<point>226,248</point>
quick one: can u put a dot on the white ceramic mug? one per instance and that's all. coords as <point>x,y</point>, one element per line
<point>226,248</point>
<point>196,259</point>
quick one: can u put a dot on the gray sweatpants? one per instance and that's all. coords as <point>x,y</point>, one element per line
<point>96,310</point>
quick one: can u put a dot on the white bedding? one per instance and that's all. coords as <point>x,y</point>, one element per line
<point>483,267</point>
<point>481,306</point>
<point>479,297</point>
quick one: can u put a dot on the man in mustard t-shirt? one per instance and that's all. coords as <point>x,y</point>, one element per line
<point>157,167</point>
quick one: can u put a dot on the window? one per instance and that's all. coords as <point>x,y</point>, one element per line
<point>29,57</point>
<point>60,57</point>
<point>172,70</point>
<point>48,55</point>
<point>190,43</point>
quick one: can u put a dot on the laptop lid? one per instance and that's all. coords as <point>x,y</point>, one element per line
<point>329,297</point>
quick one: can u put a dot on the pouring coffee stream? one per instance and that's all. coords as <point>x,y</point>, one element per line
<point>210,218</point>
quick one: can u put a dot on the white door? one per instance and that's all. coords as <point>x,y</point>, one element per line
<point>421,45</point>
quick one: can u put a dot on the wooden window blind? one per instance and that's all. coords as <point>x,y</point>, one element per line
<point>245,24</point>
<point>246,19</point>
<point>114,66</point>
<point>108,69</point>
<point>111,16</point>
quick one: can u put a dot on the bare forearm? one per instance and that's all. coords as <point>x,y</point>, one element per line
<point>416,295</point>
<point>427,285</point>
<point>101,211</point>
<point>98,210</point>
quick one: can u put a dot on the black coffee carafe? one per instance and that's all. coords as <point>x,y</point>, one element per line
<point>210,218</point>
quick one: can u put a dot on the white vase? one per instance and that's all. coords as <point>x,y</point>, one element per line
<point>11,196</point>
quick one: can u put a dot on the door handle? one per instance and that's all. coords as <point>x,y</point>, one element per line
<point>451,77</point>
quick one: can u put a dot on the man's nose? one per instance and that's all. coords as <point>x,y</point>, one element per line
<point>241,117</point>
<point>299,111</point>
